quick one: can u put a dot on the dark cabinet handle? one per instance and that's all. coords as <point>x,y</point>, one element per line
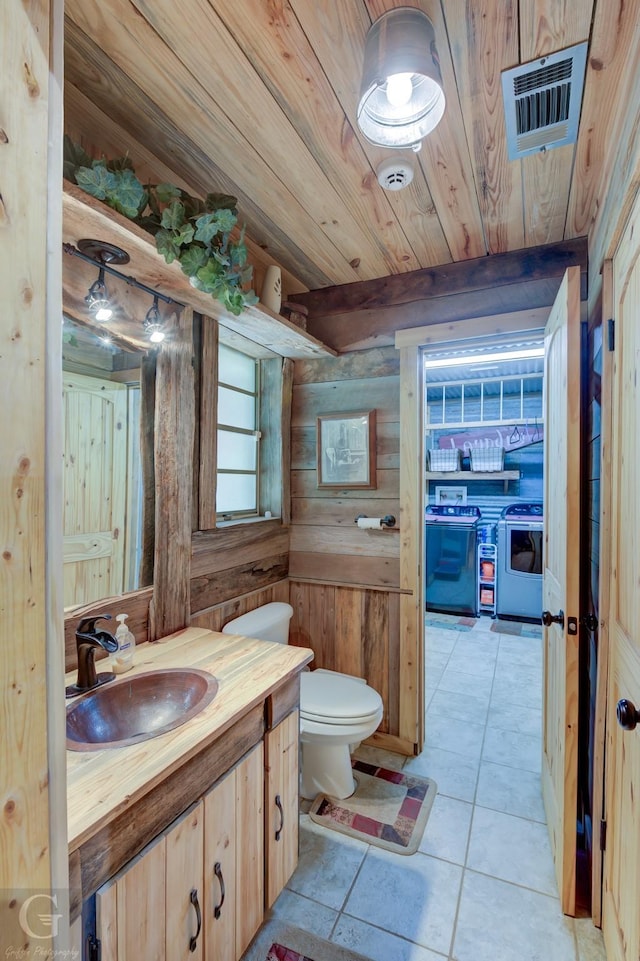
<point>217,870</point>
<point>548,618</point>
<point>279,807</point>
<point>193,941</point>
<point>627,714</point>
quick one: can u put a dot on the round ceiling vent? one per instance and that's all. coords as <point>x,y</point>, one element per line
<point>395,174</point>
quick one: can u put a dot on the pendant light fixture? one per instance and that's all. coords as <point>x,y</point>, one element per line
<point>153,325</point>
<point>97,299</point>
<point>401,95</point>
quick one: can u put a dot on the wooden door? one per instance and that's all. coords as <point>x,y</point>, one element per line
<point>234,859</point>
<point>561,581</point>
<point>621,901</point>
<point>281,805</point>
<point>130,909</point>
<point>95,488</point>
<point>184,888</point>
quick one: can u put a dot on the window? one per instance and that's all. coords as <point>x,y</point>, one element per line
<point>238,436</point>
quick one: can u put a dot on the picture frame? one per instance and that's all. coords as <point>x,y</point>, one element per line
<point>447,494</point>
<point>346,449</point>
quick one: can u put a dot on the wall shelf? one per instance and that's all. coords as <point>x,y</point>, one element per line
<point>84,216</point>
<point>471,475</point>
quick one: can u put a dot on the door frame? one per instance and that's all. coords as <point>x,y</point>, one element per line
<point>410,343</point>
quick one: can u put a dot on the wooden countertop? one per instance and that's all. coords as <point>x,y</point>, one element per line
<point>101,784</point>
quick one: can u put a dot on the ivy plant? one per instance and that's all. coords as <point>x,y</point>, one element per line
<point>196,233</point>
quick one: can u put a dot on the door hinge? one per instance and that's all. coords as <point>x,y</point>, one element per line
<point>590,621</point>
<point>94,949</point>
<point>603,835</point>
<point>611,333</point>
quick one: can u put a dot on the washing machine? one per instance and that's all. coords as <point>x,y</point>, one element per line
<point>451,534</point>
<point>520,542</point>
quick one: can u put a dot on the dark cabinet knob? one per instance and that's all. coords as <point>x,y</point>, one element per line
<point>627,714</point>
<point>548,618</point>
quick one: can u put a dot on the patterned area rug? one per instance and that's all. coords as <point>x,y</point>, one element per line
<point>278,940</point>
<point>517,628</point>
<point>450,622</point>
<point>388,809</point>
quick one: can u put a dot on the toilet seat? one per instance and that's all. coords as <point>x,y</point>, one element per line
<point>337,699</point>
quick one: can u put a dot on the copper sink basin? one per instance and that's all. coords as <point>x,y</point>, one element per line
<point>137,708</point>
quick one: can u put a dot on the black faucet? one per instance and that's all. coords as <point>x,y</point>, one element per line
<point>87,640</point>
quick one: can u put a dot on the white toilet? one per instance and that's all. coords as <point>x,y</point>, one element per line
<point>337,711</point>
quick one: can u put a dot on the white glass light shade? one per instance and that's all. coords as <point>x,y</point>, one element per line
<point>400,51</point>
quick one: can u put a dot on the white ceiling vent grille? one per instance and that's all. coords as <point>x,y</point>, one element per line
<point>542,101</point>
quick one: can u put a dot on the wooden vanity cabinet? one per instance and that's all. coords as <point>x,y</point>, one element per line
<point>281,805</point>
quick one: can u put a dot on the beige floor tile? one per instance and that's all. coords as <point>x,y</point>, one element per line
<point>512,849</point>
<point>513,792</point>
<point>447,830</point>
<point>455,735</point>
<point>327,865</point>
<point>513,749</point>
<point>454,774</point>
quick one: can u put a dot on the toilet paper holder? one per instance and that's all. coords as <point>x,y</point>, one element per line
<point>387,521</point>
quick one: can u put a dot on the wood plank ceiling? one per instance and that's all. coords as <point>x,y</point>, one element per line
<point>258,98</point>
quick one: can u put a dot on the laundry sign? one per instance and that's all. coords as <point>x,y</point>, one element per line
<point>509,437</point>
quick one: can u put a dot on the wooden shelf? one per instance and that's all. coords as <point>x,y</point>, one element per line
<point>84,216</point>
<point>471,475</point>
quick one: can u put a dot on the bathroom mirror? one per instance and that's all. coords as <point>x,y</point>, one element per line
<point>106,549</point>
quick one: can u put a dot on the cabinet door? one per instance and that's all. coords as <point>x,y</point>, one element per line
<point>234,859</point>
<point>184,887</point>
<point>147,907</point>
<point>130,909</point>
<point>281,805</point>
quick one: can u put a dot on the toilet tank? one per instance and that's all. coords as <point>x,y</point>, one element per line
<point>267,623</point>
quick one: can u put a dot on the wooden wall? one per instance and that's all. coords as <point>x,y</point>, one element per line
<point>344,582</point>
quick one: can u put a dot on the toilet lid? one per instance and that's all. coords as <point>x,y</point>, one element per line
<point>331,697</point>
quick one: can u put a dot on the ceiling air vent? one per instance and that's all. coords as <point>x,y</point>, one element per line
<point>542,101</point>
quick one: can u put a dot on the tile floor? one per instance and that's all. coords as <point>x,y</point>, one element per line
<point>482,886</point>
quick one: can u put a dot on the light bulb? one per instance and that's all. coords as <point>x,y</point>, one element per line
<point>156,336</point>
<point>103,314</point>
<point>399,89</point>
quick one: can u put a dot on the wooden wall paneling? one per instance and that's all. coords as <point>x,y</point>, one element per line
<point>375,647</point>
<point>303,484</point>
<point>346,569</point>
<point>484,41</point>
<point>322,625</point>
<point>208,590</point>
<point>208,422</point>
<point>341,513</point>
<point>174,426</point>
<point>338,540</point>
<point>214,618</point>
<point>349,655</point>
<point>377,362</point>
<point>300,630</point>
<point>32,756</point>
<point>314,399</point>
<point>142,44</point>
<point>393,705</point>
<point>446,150</point>
<point>285,434</point>
<point>215,551</point>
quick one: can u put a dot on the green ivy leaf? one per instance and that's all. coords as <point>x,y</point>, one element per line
<point>212,224</point>
<point>73,156</point>
<point>166,245</point>
<point>128,196</point>
<point>192,259</point>
<point>97,181</point>
<point>173,215</point>
<point>120,163</point>
<point>165,193</point>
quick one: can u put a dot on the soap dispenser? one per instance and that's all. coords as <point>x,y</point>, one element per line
<point>123,658</point>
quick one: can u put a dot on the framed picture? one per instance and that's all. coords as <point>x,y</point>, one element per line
<point>346,449</point>
<point>451,495</point>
